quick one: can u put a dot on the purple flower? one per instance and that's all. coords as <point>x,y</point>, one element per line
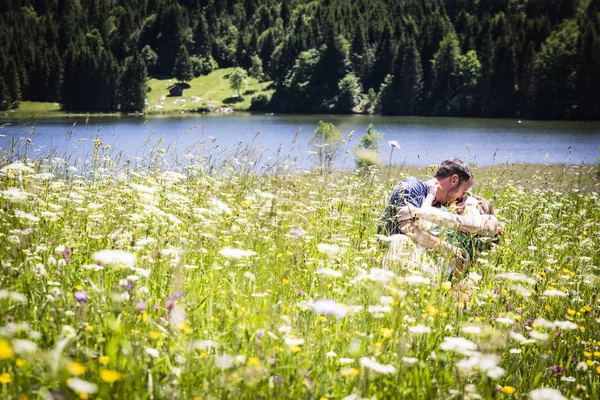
<point>260,333</point>
<point>557,369</point>
<point>296,232</point>
<point>300,292</point>
<point>81,296</point>
<point>169,304</point>
<point>66,252</point>
<point>129,285</point>
<point>42,240</point>
<point>176,296</point>
<point>141,305</point>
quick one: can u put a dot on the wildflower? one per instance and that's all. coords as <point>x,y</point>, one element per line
<point>153,352</point>
<point>516,277</point>
<point>446,285</point>
<point>20,362</point>
<point>115,257</point>
<point>141,305</point>
<point>76,369</point>
<point>394,144</point>
<point>329,307</point>
<point>255,362</point>
<point>349,372</point>
<point>331,273</point>
<point>104,360</point>
<point>6,350</point>
<point>419,329</point>
<point>109,376</point>
<point>386,332</point>
<point>546,394</point>
<point>81,386</point>
<point>570,311</point>
<point>376,367</point>
<point>432,311</point>
<point>509,390</point>
<point>554,293</point>
<point>329,249</point>
<point>5,378</point>
<point>236,254</point>
<point>294,348</point>
<point>458,344</point>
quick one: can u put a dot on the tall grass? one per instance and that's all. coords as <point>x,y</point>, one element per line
<point>233,258</point>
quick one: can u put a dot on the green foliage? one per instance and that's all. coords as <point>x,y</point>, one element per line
<point>256,70</point>
<point>327,142</point>
<point>367,150</point>
<point>238,79</point>
<point>349,94</point>
<point>538,59</point>
<point>183,70</point>
<point>133,84</point>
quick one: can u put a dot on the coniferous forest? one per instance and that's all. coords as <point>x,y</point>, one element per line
<point>472,58</point>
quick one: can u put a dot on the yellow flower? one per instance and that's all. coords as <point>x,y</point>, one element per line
<point>589,363</point>
<point>109,376</point>
<point>446,285</point>
<point>285,281</point>
<point>587,354</point>
<point>350,372</point>
<point>432,311</point>
<point>587,308</point>
<point>254,361</point>
<point>76,369</point>
<point>294,349</point>
<point>5,350</point>
<point>570,311</point>
<point>386,332</point>
<point>20,362</point>
<point>547,308</point>
<point>153,335</point>
<point>89,328</point>
<point>597,354</point>
<point>598,370</point>
<point>508,390</point>
<point>5,378</point>
<point>104,360</point>
<point>518,317</point>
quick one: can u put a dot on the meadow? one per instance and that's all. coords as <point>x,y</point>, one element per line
<point>164,278</point>
<point>205,93</point>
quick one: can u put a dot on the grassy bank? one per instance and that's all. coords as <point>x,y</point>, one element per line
<point>152,281</point>
<point>205,93</point>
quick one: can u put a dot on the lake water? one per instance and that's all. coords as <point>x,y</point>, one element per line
<point>423,141</point>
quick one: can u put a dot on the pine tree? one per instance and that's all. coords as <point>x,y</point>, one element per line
<point>133,84</point>
<point>183,71</point>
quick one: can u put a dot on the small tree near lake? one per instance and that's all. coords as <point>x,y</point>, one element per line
<point>327,142</point>
<point>238,79</point>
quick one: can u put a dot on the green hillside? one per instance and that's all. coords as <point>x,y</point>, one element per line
<point>205,92</point>
<point>208,93</point>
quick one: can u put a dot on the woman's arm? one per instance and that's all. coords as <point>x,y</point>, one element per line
<point>420,235</point>
<point>485,225</point>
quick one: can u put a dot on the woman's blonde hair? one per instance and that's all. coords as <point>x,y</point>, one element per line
<point>486,206</point>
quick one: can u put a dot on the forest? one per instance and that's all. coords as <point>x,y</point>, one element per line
<point>470,58</point>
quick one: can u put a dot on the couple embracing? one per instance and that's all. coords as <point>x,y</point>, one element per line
<point>424,237</point>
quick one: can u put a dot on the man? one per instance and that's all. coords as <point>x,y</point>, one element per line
<point>452,179</point>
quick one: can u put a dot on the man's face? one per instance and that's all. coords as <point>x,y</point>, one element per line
<point>451,190</point>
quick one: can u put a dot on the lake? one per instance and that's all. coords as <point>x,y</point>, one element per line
<point>423,140</point>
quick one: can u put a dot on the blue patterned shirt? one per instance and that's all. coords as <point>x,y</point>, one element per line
<point>411,190</point>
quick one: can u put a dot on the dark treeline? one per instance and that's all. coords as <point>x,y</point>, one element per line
<point>490,58</point>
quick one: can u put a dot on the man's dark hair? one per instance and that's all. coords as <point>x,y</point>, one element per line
<point>454,166</point>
